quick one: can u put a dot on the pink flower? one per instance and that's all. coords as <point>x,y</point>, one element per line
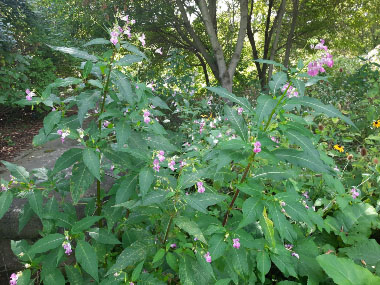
<point>106,124</point>
<point>29,94</point>
<point>63,134</point>
<point>124,18</point>
<point>14,278</point>
<point>146,116</point>
<point>236,243</point>
<point>321,45</point>
<point>67,246</point>
<point>142,40</point>
<point>173,245</point>
<point>171,165</point>
<point>156,165</point>
<point>182,163</point>
<point>128,32</point>
<point>207,256</point>
<point>114,40</point>
<point>288,246</point>
<point>291,90</point>
<point>161,156</point>
<point>355,193</point>
<point>257,147</point>
<point>112,167</point>
<point>114,34</point>
<point>306,194</point>
<point>295,255</point>
<point>283,204</point>
<point>159,50</point>
<point>133,21</point>
<point>150,85</point>
<point>201,188</point>
<point>240,110</point>
<point>274,139</point>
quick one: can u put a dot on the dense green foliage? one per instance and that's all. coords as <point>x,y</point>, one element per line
<point>267,186</point>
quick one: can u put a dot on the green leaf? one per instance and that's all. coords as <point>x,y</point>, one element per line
<point>301,159</point>
<point>237,122</point>
<point>278,80</point>
<point>300,86</point>
<point>239,261</point>
<point>281,224</point>
<point>172,261</point>
<point>268,228</point>
<point>51,120</point>
<point>187,180</point>
<point>86,257</point>
<point>87,69</point>
<point>305,143</point>
<point>92,161</point>
<point>274,173</point>
<point>134,50</point>
<point>190,227</point>
<point>222,92</point>
<point>283,260</point>
<point>35,202</point>
<point>52,275</point>
<point>252,209</point>
<point>97,41</point>
<point>368,250</point>
<point>159,142</point>
<point>263,264</point>
<point>158,102</point>
<point>318,106</point>
<point>265,105</point>
<point>24,279</point>
<point>129,59</point>
<point>75,52</point>
<point>81,180</point>
<point>126,189</point>
<point>102,236</point>
<point>64,82</point>
<point>146,178</point>
<point>223,282</point>
<point>17,171</point>
<point>123,132</point>
<point>344,271</point>
<point>159,255</point>
<point>67,159</point>
<point>192,272</point>
<point>137,271</point>
<point>84,224</point>
<point>217,246</point>
<point>86,101</point>
<point>267,61</point>
<point>200,201</point>
<point>129,256</point>
<point>124,86</point>
<point>5,202</point>
<point>47,243</point>
<point>95,83</point>
<point>155,197</point>
<point>74,275</point>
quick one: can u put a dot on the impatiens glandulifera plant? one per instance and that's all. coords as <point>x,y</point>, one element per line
<point>244,196</point>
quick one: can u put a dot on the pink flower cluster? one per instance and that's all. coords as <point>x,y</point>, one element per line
<point>207,256</point>
<point>142,39</point>
<point>201,188</point>
<point>257,147</point>
<point>290,247</point>
<point>240,110</point>
<point>14,278</point>
<point>201,126</point>
<point>156,162</point>
<point>355,193</point>
<point>171,165</point>
<point>119,30</point>
<point>316,66</point>
<point>146,116</point>
<point>291,90</point>
<point>67,247</point>
<point>156,165</point>
<point>63,134</point>
<point>29,94</point>
<point>236,243</point>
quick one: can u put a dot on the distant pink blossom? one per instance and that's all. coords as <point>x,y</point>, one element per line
<point>161,155</point>
<point>171,165</point>
<point>207,256</point>
<point>355,193</point>
<point>67,247</point>
<point>257,147</point>
<point>201,188</point>
<point>173,245</point>
<point>142,39</point>
<point>236,243</point>
<point>14,278</point>
<point>159,51</point>
<point>240,110</point>
<point>156,165</point>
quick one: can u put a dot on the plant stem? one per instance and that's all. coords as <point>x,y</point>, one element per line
<point>251,161</point>
<point>167,229</point>
<point>105,90</point>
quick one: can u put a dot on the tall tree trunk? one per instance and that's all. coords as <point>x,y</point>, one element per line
<point>276,38</point>
<point>289,41</point>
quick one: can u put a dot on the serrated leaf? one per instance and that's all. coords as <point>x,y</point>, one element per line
<point>158,102</point>
<point>252,209</point>
<point>345,271</point>
<point>281,224</point>
<point>124,86</point>
<point>52,275</point>
<point>263,264</point>
<point>190,227</point>
<point>74,275</point>
<point>126,189</point>
<point>154,197</point>
<point>80,181</point>
<point>92,161</point>
<point>67,159</point>
<point>17,171</point>
<point>6,199</point>
<point>35,202</point>
<point>217,246</point>
<point>75,52</point>
<point>301,159</point>
<point>273,173</point>
<point>86,101</point>
<point>102,236</point>
<point>86,257</point>
<point>159,255</point>
<point>129,59</point>
<point>51,120</point>
<point>318,106</point>
<point>64,82</point>
<point>268,228</point>
<point>237,122</point>
<point>278,80</point>
<point>146,178</point>
<point>200,201</point>
<point>87,69</point>
<point>188,179</point>
<point>97,41</point>
<point>95,83</point>
<point>222,92</point>
<point>265,105</point>
<point>305,143</point>
<point>84,224</point>
<point>159,142</point>
<point>129,256</point>
<point>134,50</point>
<point>47,243</point>
<point>137,271</point>
<point>300,86</point>
<point>123,132</point>
<point>369,251</point>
